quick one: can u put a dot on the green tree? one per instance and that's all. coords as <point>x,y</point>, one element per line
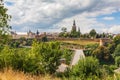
<point>117,61</point>
<point>117,51</point>
<point>64,32</point>
<point>116,40</point>
<point>64,29</point>
<point>44,39</point>
<point>103,54</point>
<point>90,48</point>
<point>50,55</point>
<point>93,33</point>
<point>86,68</point>
<point>111,48</point>
<point>4,26</point>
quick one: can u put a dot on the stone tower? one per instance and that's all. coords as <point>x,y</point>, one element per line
<point>74,26</point>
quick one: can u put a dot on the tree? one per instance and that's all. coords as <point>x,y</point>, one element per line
<point>64,29</point>
<point>79,33</point>
<point>117,61</point>
<point>4,19</point>
<point>50,55</point>
<point>111,48</point>
<point>102,53</point>
<point>86,68</point>
<point>64,32</point>
<point>90,48</point>
<point>92,33</point>
<point>117,51</point>
<point>116,40</point>
<point>44,39</point>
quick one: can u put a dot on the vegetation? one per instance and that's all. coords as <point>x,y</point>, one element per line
<point>4,26</point>
<point>87,67</point>
<point>116,40</point>
<point>10,74</point>
<point>103,54</point>
<point>117,51</point>
<point>92,33</point>
<point>90,48</point>
<point>72,34</point>
<point>43,57</point>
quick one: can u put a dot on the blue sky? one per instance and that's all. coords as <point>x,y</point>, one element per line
<point>52,15</point>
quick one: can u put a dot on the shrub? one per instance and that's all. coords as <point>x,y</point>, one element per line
<point>103,54</point>
<point>117,61</point>
<point>90,48</point>
<point>116,40</point>
<point>87,67</point>
<point>117,51</point>
<point>41,58</point>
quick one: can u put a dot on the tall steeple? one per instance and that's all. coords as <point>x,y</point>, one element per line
<point>74,23</point>
<point>37,33</point>
<point>74,26</point>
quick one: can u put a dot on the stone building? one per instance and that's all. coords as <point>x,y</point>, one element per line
<point>74,26</point>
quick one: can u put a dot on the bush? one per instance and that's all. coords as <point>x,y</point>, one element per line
<point>116,40</point>
<point>90,48</point>
<point>20,59</point>
<point>86,68</point>
<point>41,58</point>
<point>117,51</point>
<point>117,61</point>
<point>103,54</point>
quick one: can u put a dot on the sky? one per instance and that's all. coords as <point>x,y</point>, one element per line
<point>52,15</point>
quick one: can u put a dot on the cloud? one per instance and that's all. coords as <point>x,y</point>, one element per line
<point>50,15</point>
<point>114,29</point>
<point>108,18</point>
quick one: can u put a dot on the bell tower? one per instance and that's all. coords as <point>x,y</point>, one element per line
<point>74,26</point>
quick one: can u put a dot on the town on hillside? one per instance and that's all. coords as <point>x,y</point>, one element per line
<point>74,33</point>
<point>69,54</point>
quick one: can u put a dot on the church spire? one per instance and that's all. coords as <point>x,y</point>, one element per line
<point>37,33</point>
<point>74,26</point>
<point>74,23</point>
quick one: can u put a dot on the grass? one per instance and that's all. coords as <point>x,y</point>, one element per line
<point>80,42</point>
<point>9,74</point>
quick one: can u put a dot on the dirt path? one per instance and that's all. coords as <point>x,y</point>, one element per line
<point>77,56</point>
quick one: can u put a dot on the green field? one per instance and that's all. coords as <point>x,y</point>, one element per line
<point>80,42</point>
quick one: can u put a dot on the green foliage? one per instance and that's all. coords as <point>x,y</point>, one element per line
<point>50,55</point>
<point>86,68</point>
<point>111,48</point>
<point>90,48</point>
<point>41,58</point>
<point>93,33</point>
<point>67,55</point>
<point>15,44</point>
<point>116,40</point>
<point>86,35</point>
<point>109,69</point>
<point>20,59</point>
<point>117,51</point>
<point>4,26</point>
<point>44,39</point>
<point>102,53</point>
<point>117,61</point>
<point>64,29</point>
<point>72,34</point>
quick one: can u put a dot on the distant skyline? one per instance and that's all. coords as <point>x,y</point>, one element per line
<point>52,15</point>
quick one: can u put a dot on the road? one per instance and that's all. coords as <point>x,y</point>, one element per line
<point>79,54</point>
